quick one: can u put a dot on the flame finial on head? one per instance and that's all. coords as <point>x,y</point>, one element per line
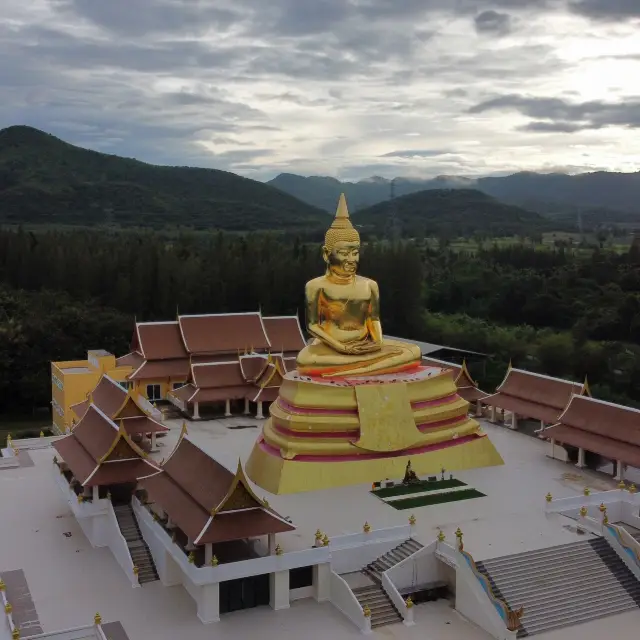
<point>341,229</point>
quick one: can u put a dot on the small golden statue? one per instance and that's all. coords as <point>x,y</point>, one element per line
<point>513,619</point>
<point>343,314</point>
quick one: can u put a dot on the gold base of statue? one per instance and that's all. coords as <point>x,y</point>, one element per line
<point>279,476</point>
<point>331,433</point>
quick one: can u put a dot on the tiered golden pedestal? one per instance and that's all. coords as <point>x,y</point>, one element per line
<point>325,433</point>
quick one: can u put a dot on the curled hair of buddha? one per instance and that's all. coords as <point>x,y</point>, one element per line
<point>341,229</point>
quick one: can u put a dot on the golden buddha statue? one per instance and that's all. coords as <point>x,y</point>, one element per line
<point>343,314</point>
<point>360,408</point>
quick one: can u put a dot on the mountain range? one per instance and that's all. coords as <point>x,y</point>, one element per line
<point>612,197</point>
<point>44,180</point>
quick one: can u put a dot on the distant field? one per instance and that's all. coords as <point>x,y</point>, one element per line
<point>470,245</point>
<point>19,424</point>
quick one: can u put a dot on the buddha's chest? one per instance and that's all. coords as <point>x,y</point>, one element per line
<point>345,301</point>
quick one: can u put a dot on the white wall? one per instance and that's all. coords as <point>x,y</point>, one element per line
<point>301,593</point>
<point>417,569</point>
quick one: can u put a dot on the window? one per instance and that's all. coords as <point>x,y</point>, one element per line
<point>125,384</point>
<point>56,381</point>
<point>153,392</point>
<point>57,408</point>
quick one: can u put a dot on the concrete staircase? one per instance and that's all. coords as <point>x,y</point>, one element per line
<point>138,549</point>
<point>383,611</point>
<point>564,585</point>
<point>391,559</point>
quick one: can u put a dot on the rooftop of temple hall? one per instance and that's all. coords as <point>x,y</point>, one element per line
<point>69,581</point>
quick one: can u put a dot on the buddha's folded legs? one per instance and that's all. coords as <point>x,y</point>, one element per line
<point>319,359</point>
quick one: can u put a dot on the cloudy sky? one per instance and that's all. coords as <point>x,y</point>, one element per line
<point>349,88</point>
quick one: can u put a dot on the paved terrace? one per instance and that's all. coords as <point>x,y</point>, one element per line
<point>69,581</point>
<point>509,520</point>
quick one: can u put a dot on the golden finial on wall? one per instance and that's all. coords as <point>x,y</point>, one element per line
<point>214,561</point>
<point>583,512</point>
<point>279,550</point>
<point>412,520</point>
<point>587,491</point>
<point>97,619</point>
<point>548,497</point>
<point>441,536</point>
<point>367,527</point>
<point>325,540</point>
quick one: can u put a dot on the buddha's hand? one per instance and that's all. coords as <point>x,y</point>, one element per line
<point>362,346</point>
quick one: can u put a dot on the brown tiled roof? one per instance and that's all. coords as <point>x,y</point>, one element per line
<point>77,458</point>
<point>205,499</point>
<point>95,432</point>
<point>238,525</point>
<point>467,387</point>
<point>161,369</point>
<point>252,366</point>
<point>223,393</point>
<point>108,396</point>
<point>141,425</point>
<point>185,392</point>
<point>603,419</point>
<point>533,387</point>
<point>179,505</point>
<point>121,472</point>
<point>524,408</point>
<point>81,408</point>
<point>216,375</point>
<point>607,447</point>
<point>130,409</point>
<point>471,394</point>
<point>159,341</point>
<point>223,333</point>
<point>94,439</point>
<point>284,333</point>
<point>132,359</point>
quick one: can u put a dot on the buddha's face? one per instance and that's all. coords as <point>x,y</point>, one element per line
<point>343,258</point>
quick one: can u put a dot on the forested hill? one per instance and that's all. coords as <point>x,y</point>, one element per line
<point>451,213</point>
<point>46,180</point>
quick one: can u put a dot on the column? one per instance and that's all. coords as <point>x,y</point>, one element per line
<point>86,492</point>
<point>196,412</point>
<point>227,408</point>
<point>581,464</point>
<point>619,471</point>
<point>272,544</point>
<point>478,409</point>
<point>259,412</point>
<point>279,590</point>
<point>322,582</point>
<point>153,441</point>
<point>96,493</point>
<point>246,407</point>
<point>492,417</point>
<point>208,554</point>
<point>190,546</point>
<point>209,603</point>
<point>514,422</point>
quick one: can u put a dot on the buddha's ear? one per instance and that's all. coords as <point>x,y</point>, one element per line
<point>325,253</point>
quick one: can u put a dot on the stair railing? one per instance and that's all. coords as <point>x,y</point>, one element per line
<point>343,599</point>
<point>404,607</point>
<point>629,545</point>
<point>120,548</point>
<point>511,618</point>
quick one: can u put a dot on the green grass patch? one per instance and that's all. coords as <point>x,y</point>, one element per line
<point>419,487</point>
<point>438,498</point>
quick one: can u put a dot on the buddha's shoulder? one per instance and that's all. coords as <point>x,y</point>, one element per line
<point>317,283</point>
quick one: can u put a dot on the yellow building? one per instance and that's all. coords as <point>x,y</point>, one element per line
<point>73,380</point>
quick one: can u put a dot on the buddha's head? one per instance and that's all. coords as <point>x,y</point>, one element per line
<point>341,250</point>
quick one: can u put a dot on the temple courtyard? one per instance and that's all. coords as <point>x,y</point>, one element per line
<point>70,581</point>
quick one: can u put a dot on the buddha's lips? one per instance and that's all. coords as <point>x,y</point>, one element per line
<point>290,408</point>
<point>273,451</point>
<point>353,434</point>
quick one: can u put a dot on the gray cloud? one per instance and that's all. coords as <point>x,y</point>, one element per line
<point>416,153</point>
<point>493,23</point>
<point>609,10</point>
<point>555,114</point>
<point>323,87</point>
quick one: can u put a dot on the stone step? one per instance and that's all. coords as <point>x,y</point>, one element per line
<point>541,561</point>
<point>533,602</point>
<point>577,617</point>
<point>562,548</point>
<point>538,583</point>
